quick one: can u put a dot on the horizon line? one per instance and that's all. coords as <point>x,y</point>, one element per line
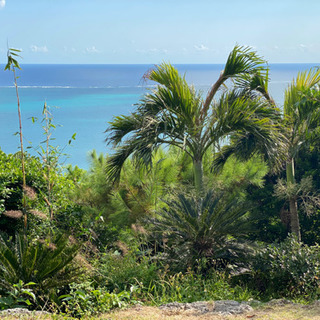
<point>109,64</point>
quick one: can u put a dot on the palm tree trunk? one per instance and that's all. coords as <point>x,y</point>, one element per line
<point>198,175</point>
<point>294,216</point>
<point>210,96</point>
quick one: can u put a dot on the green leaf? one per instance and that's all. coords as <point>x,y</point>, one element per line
<point>16,50</point>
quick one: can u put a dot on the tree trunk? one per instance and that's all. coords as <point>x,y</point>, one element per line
<point>198,175</point>
<point>294,216</point>
<point>210,96</point>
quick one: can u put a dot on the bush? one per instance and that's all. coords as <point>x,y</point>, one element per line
<point>287,270</point>
<point>45,263</point>
<point>211,228</point>
<point>120,272</point>
<point>84,299</point>
<point>39,199</point>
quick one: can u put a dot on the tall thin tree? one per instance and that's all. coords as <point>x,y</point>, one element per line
<point>11,65</point>
<point>302,119</point>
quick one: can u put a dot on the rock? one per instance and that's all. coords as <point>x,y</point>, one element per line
<point>228,307</point>
<point>222,307</point>
<point>279,302</point>
<point>254,302</point>
<point>21,311</point>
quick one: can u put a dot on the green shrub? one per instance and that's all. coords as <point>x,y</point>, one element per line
<point>46,263</point>
<point>289,269</point>
<point>84,299</point>
<point>37,193</point>
<point>18,296</point>
<point>211,228</point>
<point>120,272</point>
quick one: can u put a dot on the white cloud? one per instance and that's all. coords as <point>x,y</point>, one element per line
<point>92,49</point>
<point>2,3</point>
<point>201,47</point>
<point>152,51</point>
<point>35,48</point>
<point>303,47</point>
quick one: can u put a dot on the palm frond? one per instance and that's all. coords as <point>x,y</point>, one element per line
<point>302,109</point>
<point>253,85</point>
<point>243,60</point>
<point>252,126</point>
<point>304,83</point>
<point>173,91</point>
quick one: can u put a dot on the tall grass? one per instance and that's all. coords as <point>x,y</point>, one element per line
<point>190,287</point>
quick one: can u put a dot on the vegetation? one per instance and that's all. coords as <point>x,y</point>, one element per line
<point>196,213</point>
<point>175,114</point>
<point>301,116</point>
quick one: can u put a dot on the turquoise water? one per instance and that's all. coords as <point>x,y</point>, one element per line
<point>88,96</point>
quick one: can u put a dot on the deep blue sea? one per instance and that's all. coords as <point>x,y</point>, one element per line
<point>88,96</point>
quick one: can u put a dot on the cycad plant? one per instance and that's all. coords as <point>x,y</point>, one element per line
<point>175,114</point>
<point>46,263</point>
<point>209,228</point>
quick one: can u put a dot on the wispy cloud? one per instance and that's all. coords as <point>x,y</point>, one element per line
<point>35,48</point>
<point>66,49</point>
<point>92,49</point>
<point>152,51</point>
<point>2,3</point>
<point>303,47</point>
<point>201,47</point>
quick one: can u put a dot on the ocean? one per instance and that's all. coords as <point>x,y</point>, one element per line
<point>83,98</point>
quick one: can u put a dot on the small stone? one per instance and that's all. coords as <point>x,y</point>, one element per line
<point>279,302</point>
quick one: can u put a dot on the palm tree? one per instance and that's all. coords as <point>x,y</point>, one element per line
<point>175,114</point>
<point>301,116</point>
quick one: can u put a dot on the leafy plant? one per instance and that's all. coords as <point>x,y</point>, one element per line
<point>84,299</point>
<point>175,114</point>
<point>194,228</point>
<point>50,156</point>
<point>288,269</point>
<point>120,272</point>
<point>47,263</point>
<point>18,297</point>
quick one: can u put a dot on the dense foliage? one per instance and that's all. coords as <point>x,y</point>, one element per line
<point>165,225</point>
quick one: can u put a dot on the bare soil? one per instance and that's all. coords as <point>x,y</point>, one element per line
<point>264,312</point>
<point>267,312</point>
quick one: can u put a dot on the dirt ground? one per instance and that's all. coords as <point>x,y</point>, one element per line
<point>287,312</point>
<point>266,312</point>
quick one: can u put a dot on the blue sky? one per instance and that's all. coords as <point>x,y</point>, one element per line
<point>151,31</point>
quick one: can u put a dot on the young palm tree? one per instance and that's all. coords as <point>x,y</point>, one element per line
<point>302,118</point>
<point>175,114</point>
